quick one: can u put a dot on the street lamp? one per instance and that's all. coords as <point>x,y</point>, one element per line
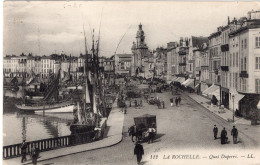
<point>233,96</point>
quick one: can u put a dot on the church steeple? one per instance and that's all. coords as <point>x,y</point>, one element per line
<point>140,37</point>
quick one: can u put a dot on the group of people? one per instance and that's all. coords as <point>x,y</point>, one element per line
<point>137,103</point>
<point>160,104</point>
<point>34,152</point>
<point>177,101</point>
<point>223,135</point>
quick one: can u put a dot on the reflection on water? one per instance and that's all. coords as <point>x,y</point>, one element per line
<point>18,126</point>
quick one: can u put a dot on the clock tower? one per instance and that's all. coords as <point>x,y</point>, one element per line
<point>139,52</point>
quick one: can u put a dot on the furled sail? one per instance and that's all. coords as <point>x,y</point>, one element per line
<point>87,93</point>
<point>94,103</point>
<point>79,113</point>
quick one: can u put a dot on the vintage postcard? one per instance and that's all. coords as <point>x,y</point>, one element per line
<point>129,82</point>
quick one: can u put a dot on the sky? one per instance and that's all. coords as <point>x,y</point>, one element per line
<point>46,27</point>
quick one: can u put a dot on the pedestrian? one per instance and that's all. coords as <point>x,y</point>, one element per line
<point>179,100</point>
<point>125,109</point>
<point>163,105</point>
<point>141,103</point>
<point>176,101</point>
<point>171,101</point>
<point>135,103</point>
<point>23,149</point>
<point>159,104</point>
<point>215,130</point>
<point>234,133</point>
<point>151,133</point>
<point>224,136</point>
<point>34,154</point>
<point>130,104</point>
<point>139,152</point>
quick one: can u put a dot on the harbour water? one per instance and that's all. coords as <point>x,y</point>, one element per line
<point>18,126</point>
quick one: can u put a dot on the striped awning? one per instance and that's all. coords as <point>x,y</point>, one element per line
<point>181,79</point>
<point>216,93</point>
<point>174,78</point>
<point>197,86</point>
<point>189,82</point>
<point>210,90</point>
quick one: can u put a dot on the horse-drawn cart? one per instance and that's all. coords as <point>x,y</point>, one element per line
<point>142,124</point>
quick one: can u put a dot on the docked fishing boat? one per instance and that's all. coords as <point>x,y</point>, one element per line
<point>63,107</point>
<point>90,112</point>
<point>51,102</point>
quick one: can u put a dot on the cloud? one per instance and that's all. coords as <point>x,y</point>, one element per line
<point>62,38</point>
<point>58,25</point>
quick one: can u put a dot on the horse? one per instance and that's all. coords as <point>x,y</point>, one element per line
<point>134,132</point>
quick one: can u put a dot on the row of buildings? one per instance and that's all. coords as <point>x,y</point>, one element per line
<point>25,66</point>
<point>227,61</point>
<point>225,64</point>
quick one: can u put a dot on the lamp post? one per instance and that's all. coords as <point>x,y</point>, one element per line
<point>233,96</point>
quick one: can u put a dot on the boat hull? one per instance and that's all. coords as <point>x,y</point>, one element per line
<point>60,108</point>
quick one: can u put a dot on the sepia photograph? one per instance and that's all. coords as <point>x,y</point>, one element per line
<point>130,83</point>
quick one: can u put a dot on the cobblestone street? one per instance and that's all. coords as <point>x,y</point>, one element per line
<point>186,127</point>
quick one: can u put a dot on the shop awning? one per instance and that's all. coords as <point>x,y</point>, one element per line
<point>181,80</point>
<point>210,90</point>
<point>174,78</point>
<point>237,96</point>
<point>203,87</point>
<point>185,82</point>
<point>189,82</point>
<point>216,93</point>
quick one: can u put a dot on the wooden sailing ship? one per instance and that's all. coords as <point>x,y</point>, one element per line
<point>51,103</point>
<point>90,107</point>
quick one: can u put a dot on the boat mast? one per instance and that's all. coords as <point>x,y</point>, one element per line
<point>100,86</point>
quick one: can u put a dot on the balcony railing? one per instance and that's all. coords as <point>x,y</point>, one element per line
<point>182,64</point>
<point>225,68</point>
<point>182,53</point>
<point>224,48</point>
<point>243,74</point>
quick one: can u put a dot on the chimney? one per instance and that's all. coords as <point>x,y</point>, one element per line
<point>228,20</point>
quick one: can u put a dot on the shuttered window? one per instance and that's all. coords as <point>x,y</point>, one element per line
<point>257,63</point>
<point>257,85</point>
<point>257,42</point>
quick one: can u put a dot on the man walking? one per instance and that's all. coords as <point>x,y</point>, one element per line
<point>179,100</point>
<point>234,133</point>
<point>171,101</point>
<point>34,154</point>
<point>163,104</point>
<point>23,148</point>
<point>176,101</point>
<point>215,130</point>
<point>151,133</point>
<point>138,151</point>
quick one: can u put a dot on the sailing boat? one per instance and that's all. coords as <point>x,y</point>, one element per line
<point>50,103</point>
<point>87,112</point>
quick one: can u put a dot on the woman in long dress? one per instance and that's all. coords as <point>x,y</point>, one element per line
<point>223,136</point>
